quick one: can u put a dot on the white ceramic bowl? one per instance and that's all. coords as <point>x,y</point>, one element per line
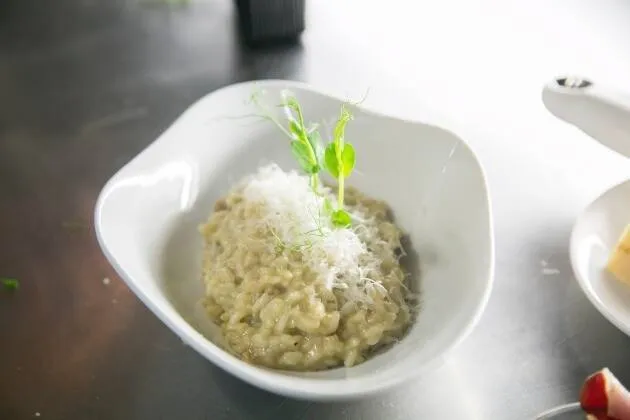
<point>147,217</point>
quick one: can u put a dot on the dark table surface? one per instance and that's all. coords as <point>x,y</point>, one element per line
<point>86,84</point>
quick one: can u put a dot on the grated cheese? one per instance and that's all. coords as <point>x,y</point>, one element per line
<point>297,217</point>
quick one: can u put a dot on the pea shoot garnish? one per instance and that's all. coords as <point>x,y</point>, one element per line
<point>338,157</point>
<point>306,145</point>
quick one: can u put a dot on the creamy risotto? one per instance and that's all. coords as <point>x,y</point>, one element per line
<point>290,290</point>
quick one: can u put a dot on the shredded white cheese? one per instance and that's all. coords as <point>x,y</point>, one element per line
<point>297,216</point>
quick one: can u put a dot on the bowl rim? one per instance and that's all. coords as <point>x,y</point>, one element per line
<point>559,409</point>
<point>277,381</point>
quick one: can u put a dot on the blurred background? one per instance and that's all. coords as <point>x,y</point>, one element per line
<point>87,84</point>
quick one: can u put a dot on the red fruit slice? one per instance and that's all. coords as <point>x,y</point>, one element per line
<point>603,398</point>
<point>594,396</point>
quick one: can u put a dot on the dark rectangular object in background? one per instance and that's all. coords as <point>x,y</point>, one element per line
<point>265,21</point>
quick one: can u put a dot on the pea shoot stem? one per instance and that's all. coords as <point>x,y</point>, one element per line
<point>340,182</point>
<point>303,137</point>
<point>315,184</point>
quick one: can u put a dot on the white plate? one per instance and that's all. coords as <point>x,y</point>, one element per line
<point>594,237</point>
<point>604,114</point>
<point>147,217</point>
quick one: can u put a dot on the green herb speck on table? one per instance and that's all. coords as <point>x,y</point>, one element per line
<point>10,284</point>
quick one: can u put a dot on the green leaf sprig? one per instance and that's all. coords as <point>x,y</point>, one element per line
<point>338,157</point>
<point>306,143</point>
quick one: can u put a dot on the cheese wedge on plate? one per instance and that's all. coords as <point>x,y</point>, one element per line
<point>619,261</point>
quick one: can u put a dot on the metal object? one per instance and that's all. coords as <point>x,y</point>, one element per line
<point>85,85</point>
<point>558,412</point>
<point>573,82</point>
